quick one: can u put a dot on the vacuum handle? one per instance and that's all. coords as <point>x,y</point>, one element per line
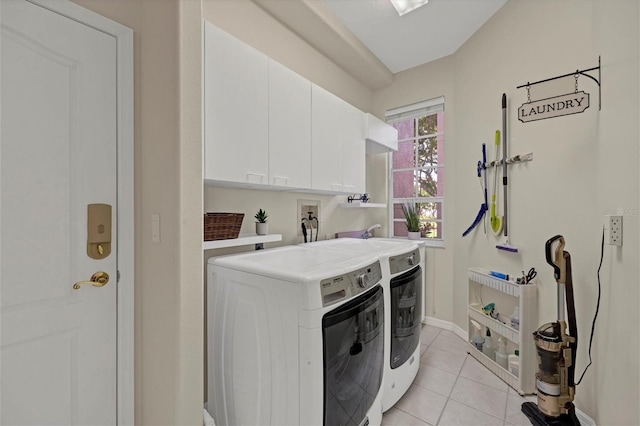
<point>556,262</point>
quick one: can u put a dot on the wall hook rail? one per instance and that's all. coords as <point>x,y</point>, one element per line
<point>577,72</point>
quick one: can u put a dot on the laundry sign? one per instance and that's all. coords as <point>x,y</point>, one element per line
<point>572,103</point>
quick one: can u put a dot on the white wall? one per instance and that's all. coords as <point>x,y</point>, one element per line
<point>414,85</point>
<point>168,181</point>
<point>585,167</point>
<point>282,207</point>
<point>245,20</point>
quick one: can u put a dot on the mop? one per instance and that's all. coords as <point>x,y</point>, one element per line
<point>483,207</point>
<point>496,221</point>
<point>505,246</point>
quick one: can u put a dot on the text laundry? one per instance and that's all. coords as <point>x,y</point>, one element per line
<point>572,103</point>
<point>540,109</point>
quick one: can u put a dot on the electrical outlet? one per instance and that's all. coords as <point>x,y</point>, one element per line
<point>615,230</point>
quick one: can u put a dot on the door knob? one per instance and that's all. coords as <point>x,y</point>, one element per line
<point>98,279</point>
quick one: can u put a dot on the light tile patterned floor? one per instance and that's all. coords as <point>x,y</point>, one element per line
<point>452,388</point>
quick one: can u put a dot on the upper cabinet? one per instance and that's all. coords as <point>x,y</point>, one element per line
<point>236,102</point>
<point>353,150</point>
<point>326,140</point>
<point>380,136</point>
<point>289,128</point>
<point>267,127</point>
<point>337,144</point>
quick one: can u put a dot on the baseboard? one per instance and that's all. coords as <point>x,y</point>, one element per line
<point>207,419</point>
<point>447,325</point>
<point>584,419</point>
<point>437,322</point>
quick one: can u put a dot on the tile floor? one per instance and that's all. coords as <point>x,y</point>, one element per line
<point>452,388</point>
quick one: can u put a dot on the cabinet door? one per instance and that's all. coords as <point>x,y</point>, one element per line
<point>353,149</point>
<point>289,128</point>
<point>236,94</point>
<point>380,136</point>
<point>326,140</point>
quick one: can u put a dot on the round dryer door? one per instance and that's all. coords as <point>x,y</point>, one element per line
<point>353,358</point>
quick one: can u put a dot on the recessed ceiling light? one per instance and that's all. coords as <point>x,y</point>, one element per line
<point>405,6</point>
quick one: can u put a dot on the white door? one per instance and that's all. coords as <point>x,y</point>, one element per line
<point>58,155</point>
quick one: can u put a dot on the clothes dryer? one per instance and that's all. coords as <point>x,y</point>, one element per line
<point>402,284</point>
<point>295,336</point>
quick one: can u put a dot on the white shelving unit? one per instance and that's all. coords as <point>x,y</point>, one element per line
<point>242,240</point>
<point>506,295</point>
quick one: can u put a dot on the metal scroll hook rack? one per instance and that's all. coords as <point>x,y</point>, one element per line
<point>576,74</point>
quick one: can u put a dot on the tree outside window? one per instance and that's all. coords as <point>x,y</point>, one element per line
<point>417,173</point>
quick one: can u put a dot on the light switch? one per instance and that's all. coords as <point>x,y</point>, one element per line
<point>155,228</point>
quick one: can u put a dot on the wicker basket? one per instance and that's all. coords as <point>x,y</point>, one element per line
<point>222,226</point>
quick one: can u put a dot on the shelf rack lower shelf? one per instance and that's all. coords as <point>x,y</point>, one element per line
<point>495,325</point>
<point>242,240</point>
<point>496,369</point>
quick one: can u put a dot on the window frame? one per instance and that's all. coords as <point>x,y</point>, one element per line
<point>415,112</point>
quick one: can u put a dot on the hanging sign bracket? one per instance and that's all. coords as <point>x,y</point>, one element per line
<point>559,103</point>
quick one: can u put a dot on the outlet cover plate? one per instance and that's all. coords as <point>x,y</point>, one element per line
<point>615,230</point>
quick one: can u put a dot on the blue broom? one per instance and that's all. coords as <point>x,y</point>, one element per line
<point>482,167</point>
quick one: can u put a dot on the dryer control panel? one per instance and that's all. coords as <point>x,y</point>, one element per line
<point>404,262</point>
<point>346,286</point>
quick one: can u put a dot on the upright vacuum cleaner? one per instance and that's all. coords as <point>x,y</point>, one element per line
<point>556,349</point>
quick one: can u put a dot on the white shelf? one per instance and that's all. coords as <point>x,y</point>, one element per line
<point>242,240</point>
<point>495,325</point>
<point>483,277</point>
<point>359,204</point>
<point>496,368</point>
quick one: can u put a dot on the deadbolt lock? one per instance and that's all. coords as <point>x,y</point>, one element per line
<point>98,231</point>
<point>99,279</point>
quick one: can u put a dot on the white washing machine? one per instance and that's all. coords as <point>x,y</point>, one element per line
<point>295,336</point>
<point>403,292</point>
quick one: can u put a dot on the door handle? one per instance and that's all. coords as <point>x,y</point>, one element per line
<point>99,279</point>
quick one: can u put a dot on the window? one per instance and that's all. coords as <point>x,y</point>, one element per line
<point>417,169</point>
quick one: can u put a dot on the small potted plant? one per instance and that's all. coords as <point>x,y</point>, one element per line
<point>262,227</point>
<point>412,220</point>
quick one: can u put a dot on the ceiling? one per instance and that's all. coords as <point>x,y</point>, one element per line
<point>370,41</point>
<point>428,33</point>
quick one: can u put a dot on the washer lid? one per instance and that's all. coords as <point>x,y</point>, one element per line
<point>295,263</point>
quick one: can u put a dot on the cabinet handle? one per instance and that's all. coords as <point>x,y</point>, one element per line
<point>284,178</point>
<point>260,175</point>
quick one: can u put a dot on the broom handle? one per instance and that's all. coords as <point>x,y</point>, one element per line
<point>504,156</point>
